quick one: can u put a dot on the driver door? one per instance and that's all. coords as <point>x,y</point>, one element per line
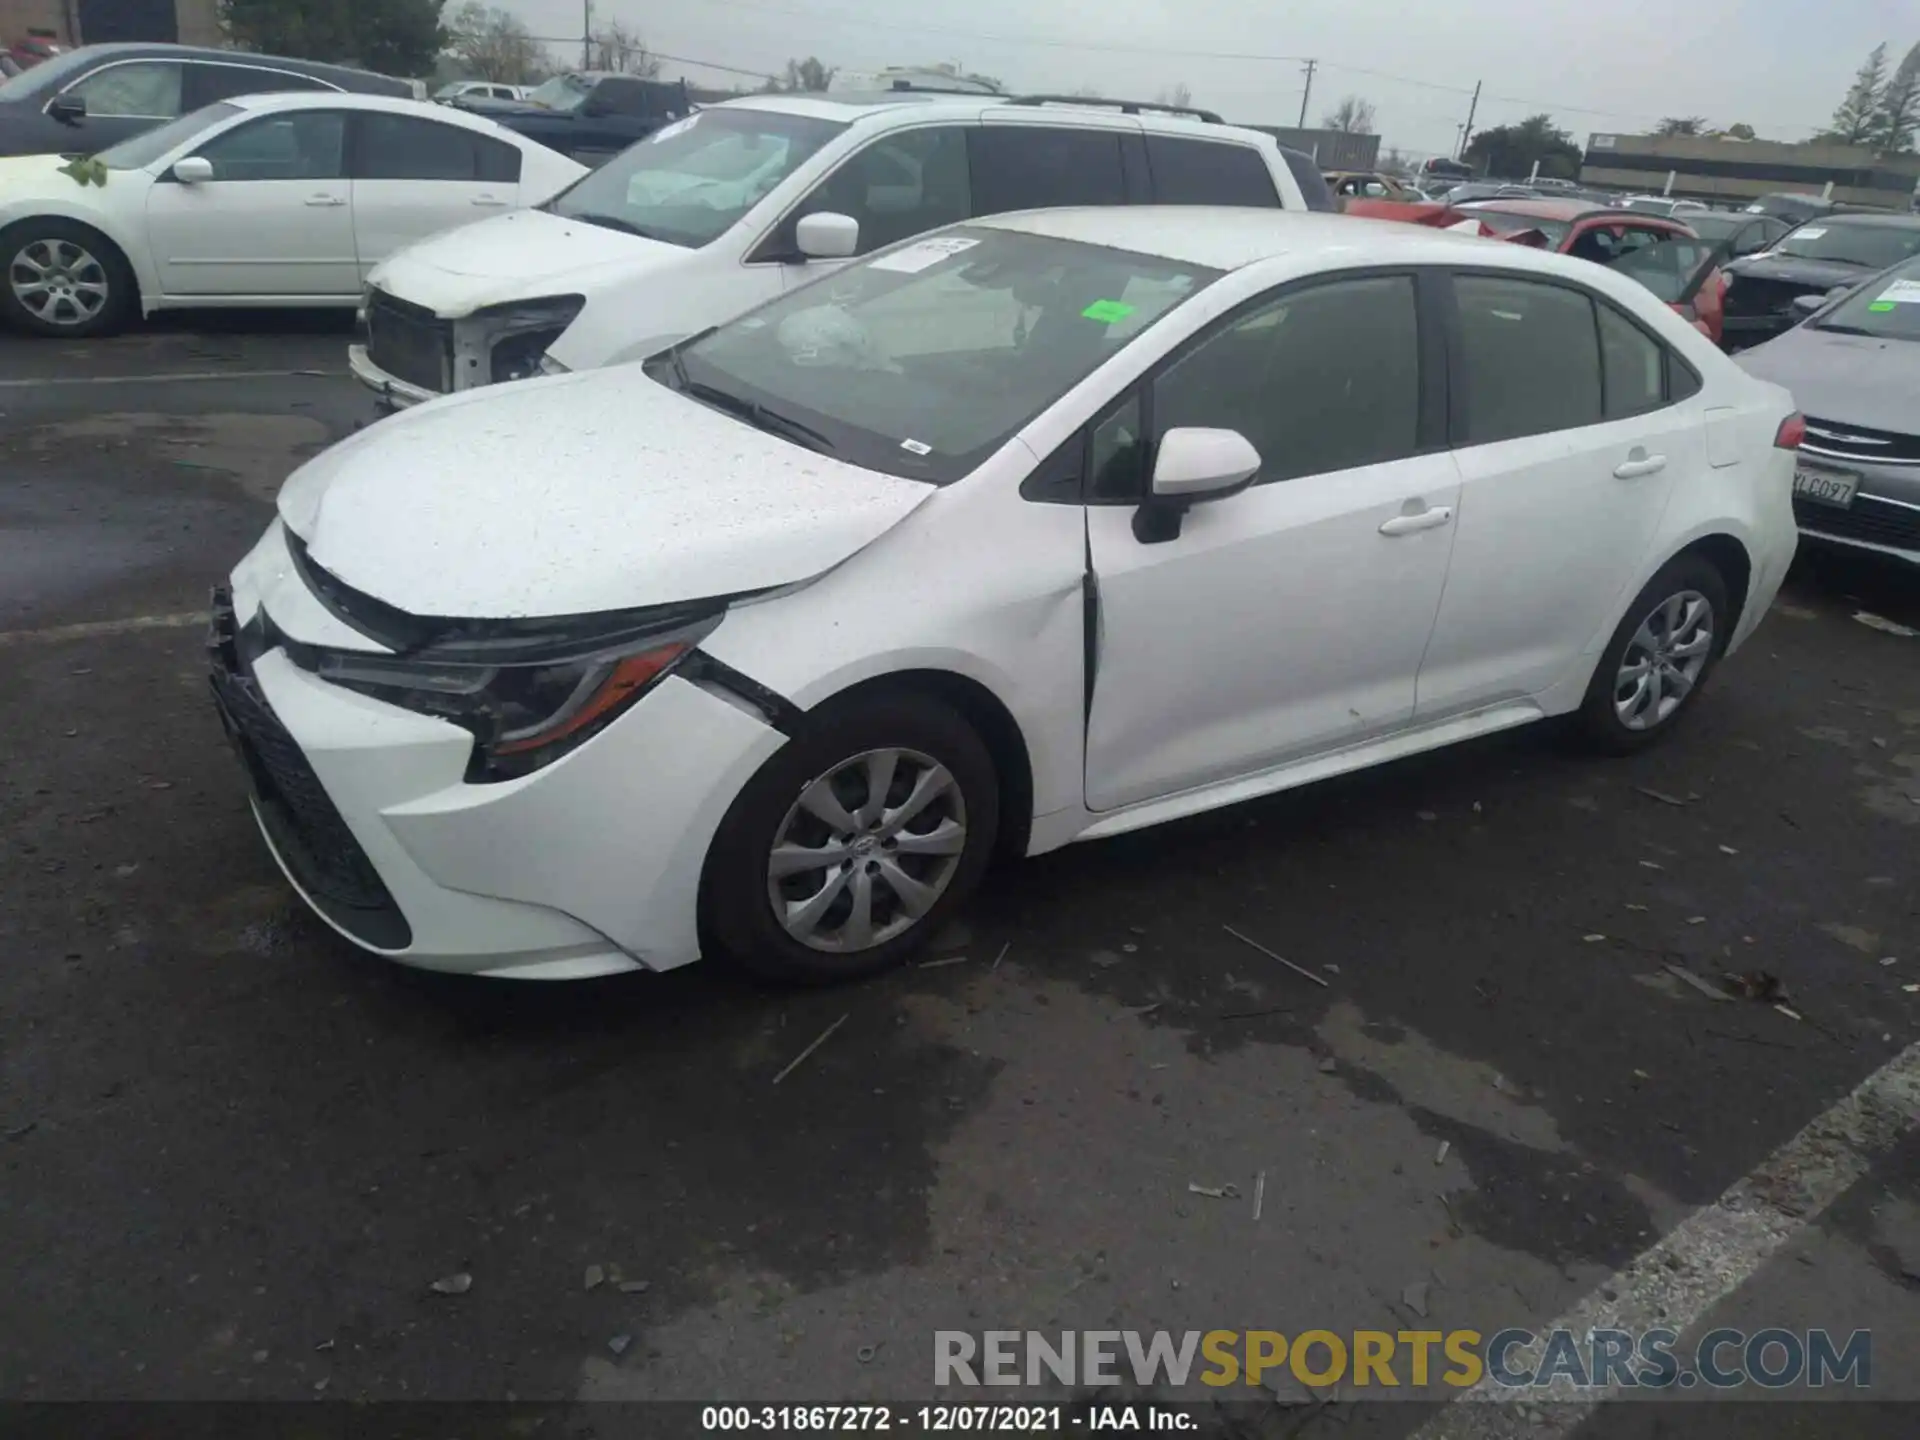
<point>275,221</point>
<point>1290,619</point>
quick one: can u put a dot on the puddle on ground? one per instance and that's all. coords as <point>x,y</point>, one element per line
<point>257,451</point>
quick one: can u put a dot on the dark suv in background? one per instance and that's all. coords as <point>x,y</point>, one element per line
<point>99,95</point>
<point>588,115</point>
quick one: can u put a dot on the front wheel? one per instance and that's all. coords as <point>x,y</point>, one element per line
<point>64,280</point>
<point>1653,669</point>
<point>849,849</point>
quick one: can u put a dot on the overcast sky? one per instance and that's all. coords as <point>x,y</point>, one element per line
<point>1779,65</point>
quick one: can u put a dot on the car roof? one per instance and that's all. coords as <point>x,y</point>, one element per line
<point>1887,221</point>
<point>157,50</point>
<point>1229,237</point>
<point>1567,210</point>
<point>940,104</point>
<point>269,101</point>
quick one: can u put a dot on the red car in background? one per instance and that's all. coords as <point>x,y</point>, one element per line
<point>1661,253</point>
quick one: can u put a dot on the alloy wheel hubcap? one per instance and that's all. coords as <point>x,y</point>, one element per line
<point>866,851</point>
<point>1663,660</point>
<point>58,281</point>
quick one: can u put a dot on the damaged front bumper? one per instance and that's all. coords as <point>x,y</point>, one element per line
<point>392,392</point>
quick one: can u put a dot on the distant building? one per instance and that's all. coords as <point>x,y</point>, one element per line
<point>95,22</point>
<point>1330,149</point>
<point>1715,168</point>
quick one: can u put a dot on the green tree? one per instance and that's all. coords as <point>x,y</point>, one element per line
<point>493,44</point>
<point>1854,122</point>
<point>1510,151</point>
<point>395,37</point>
<point>1682,125</point>
<point>1740,130</point>
<point>1897,118</point>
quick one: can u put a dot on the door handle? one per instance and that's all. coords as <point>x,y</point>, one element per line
<point>1425,520</point>
<point>487,200</point>
<point>324,201</point>
<point>1640,464</point>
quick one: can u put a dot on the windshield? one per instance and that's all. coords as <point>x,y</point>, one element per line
<point>1873,246</point>
<point>1887,306</point>
<point>562,92</point>
<point>688,182</point>
<point>47,76</point>
<point>1506,222</point>
<point>149,145</point>
<point>925,359</point>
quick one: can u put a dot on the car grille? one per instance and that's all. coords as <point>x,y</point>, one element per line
<point>306,829</point>
<point>409,342</point>
<point>1749,297</point>
<point>1867,519</point>
<point>1857,442</point>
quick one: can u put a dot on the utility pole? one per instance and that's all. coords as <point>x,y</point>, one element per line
<point>1466,131</point>
<point>586,34</point>
<point>1307,94</point>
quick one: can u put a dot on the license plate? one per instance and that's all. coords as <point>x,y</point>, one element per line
<point>1826,487</point>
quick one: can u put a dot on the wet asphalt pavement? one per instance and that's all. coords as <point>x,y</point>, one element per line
<point>237,1152</point>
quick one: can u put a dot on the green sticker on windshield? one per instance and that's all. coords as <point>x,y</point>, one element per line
<point>1881,307</point>
<point>1107,311</point>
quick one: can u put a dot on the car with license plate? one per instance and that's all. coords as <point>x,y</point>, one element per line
<point>1853,365</point>
<point>1037,529</point>
<point>282,200</point>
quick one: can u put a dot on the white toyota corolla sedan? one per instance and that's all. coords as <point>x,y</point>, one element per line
<point>1039,529</point>
<point>281,199</point>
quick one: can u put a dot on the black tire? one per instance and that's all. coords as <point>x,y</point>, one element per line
<point>737,913</point>
<point>1599,721</point>
<point>105,259</point>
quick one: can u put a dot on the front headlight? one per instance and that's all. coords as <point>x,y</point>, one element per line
<point>516,335</point>
<point>526,702</point>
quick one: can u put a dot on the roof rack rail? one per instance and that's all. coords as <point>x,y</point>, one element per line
<point>915,87</point>
<point>1125,107</point>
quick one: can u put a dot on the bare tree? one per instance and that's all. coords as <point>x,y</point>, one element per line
<point>494,44</point>
<point>1352,114</point>
<point>810,76</point>
<point>1178,94</point>
<point>617,47</point>
<point>1087,92</point>
<point>1394,161</point>
<point>1682,125</point>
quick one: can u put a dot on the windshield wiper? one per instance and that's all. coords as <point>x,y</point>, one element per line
<point>1850,330</point>
<point>752,411</point>
<point>610,222</point>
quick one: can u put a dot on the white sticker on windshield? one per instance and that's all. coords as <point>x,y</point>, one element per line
<point>1808,232</point>
<point>916,447</point>
<point>1900,292</point>
<point>923,255</point>
<point>678,127</point>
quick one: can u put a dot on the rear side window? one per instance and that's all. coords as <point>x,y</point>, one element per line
<point>209,83</point>
<point>1632,366</point>
<point>1306,174</point>
<point>1036,167</point>
<point>401,147</point>
<point>1202,172</point>
<point>1530,356</point>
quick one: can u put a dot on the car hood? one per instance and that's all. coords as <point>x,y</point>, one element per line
<point>519,256</point>
<point>1792,270</point>
<point>1849,379</point>
<point>492,105</point>
<point>579,494</point>
<point>24,177</point>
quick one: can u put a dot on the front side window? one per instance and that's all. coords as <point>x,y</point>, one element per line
<point>690,182</point>
<point>137,90</point>
<point>143,149</point>
<point>1324,378</point>
<point>900,186</point>
<point>923,361</point>
<point>1202,172</point>
<point>1036,167</point>
<point>299,145</point>
<point>1530,357</point>
<point>1874,246</point>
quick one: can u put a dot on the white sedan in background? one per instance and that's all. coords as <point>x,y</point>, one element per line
<point>285,199</point>
<point>1037,529</point>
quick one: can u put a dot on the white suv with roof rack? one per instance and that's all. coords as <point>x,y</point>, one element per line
<point>741,201</point>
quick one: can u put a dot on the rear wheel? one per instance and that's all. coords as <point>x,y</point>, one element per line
<point>854,843</point>
<point>1659,659</point>
<point>64,279</point>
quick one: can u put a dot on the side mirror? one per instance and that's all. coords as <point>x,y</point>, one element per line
<point>67,109</point>
<point>193,170</point>
<point>1193,465</point>
<point>826,235</point>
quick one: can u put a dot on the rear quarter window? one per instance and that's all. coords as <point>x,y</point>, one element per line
<point>1209,172</point>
